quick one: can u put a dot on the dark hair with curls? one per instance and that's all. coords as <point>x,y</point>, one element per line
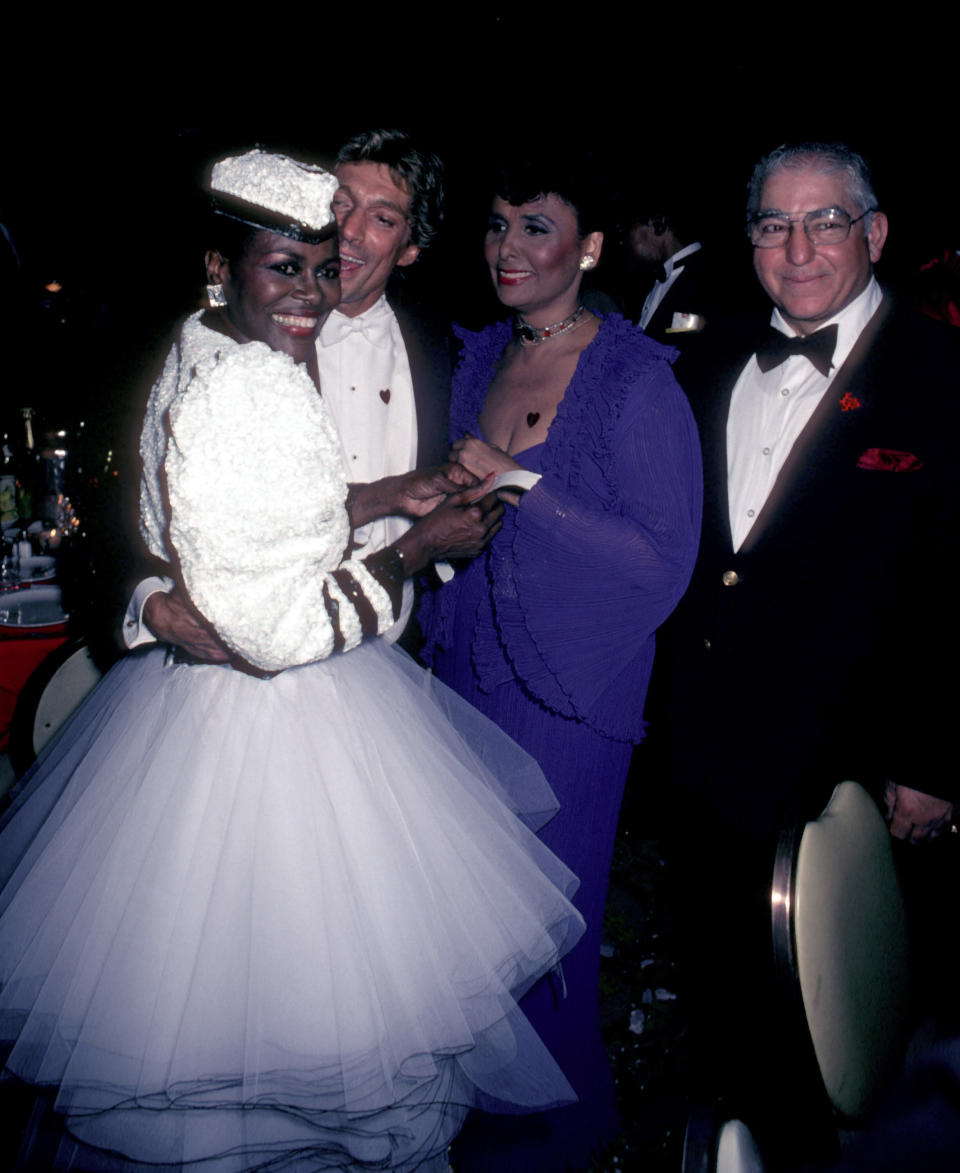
<point>418,172</point>
<point>520,179</point>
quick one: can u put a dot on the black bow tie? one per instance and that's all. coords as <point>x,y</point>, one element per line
<point>817,347</point>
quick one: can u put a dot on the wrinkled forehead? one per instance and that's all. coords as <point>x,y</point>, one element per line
<point>374,182</point>
<point>805,189</point>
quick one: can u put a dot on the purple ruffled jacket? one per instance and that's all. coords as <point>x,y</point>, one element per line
<point>601,550</point>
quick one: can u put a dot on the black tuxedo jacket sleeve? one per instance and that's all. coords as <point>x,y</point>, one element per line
<point>825,648</point>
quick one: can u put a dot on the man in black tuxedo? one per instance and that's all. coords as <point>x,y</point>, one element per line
<point>815,641</point>
<point>385,369</point>
<point>667,280</point>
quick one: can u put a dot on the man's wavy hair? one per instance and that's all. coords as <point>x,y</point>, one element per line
<point>825,158</point>
<point>418,172</point>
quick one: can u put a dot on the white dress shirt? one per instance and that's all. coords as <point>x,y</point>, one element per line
<point>366,383</point>
<point>769,411</point>
<point>671,271</point>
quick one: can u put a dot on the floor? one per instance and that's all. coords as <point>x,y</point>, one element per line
<point>643,1016</point>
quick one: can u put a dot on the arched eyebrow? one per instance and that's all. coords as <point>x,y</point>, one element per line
<point>291,252</point>
<point>539,218</point>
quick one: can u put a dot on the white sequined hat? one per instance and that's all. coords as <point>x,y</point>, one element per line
<point>276,193</point>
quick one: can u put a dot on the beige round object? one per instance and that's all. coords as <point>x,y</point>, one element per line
<point>737,1151</point>
<point>851,943</point>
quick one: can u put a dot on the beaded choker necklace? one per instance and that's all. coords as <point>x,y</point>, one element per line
<point>534,335</point>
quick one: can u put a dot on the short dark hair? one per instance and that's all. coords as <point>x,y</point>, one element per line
<point>661,198</point>
<point>828,159</point>
<point>419,172</point>
<point>524,178</point>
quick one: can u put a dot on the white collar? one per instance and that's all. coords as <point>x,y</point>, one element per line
<point>377,310</point>
<point>374,324</point>
<point>671,262</point>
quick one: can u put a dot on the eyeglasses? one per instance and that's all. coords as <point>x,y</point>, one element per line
<point>824,226</point>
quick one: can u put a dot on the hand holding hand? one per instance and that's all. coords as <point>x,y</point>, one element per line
<point>421,491</point>
<point>459,528</point>
<point>173,620</point>
<point>914,815</point>
<point>479,457</point>
<point>413,494</point>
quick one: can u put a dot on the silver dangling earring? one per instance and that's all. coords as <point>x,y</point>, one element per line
<point>216,298</point>
<point>588,261</point>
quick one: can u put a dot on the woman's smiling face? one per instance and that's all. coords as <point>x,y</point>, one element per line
<point>279,291</point>
<point>534,252</point>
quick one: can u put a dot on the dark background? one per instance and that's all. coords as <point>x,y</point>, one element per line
<point>108,123</point>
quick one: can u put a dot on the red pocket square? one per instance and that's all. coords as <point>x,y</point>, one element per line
<point>889,460</point>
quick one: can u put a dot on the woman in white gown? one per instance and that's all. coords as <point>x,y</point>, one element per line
<point>277,914</point>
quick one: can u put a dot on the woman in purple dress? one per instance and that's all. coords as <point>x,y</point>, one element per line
<point>551,633</point>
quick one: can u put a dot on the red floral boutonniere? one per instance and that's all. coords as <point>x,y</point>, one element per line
<point>889,460</point>
<point>850,402</point>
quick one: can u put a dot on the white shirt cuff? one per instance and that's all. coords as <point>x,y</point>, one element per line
<point>135,631</point>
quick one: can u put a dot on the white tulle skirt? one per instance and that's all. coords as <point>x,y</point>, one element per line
<point>279,923</point>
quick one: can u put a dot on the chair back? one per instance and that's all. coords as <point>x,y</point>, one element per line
<point>840,941</point>
<point>713,1144</point>
<point>55,689</point>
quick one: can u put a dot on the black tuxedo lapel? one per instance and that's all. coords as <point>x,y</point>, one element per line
<point>709,378</point>
<point>715,487</point>
<point>827,415</point>
<point>430,362</point>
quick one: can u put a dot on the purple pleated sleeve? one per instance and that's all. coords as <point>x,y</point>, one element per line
<point>600,551</point>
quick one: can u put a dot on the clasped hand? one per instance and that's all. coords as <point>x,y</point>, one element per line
<point>412,494</point>
<point>421,491</point>
<point>479,457</point>
<point>460,527</point>
<point>482,459</point>
<point>456,515</point>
